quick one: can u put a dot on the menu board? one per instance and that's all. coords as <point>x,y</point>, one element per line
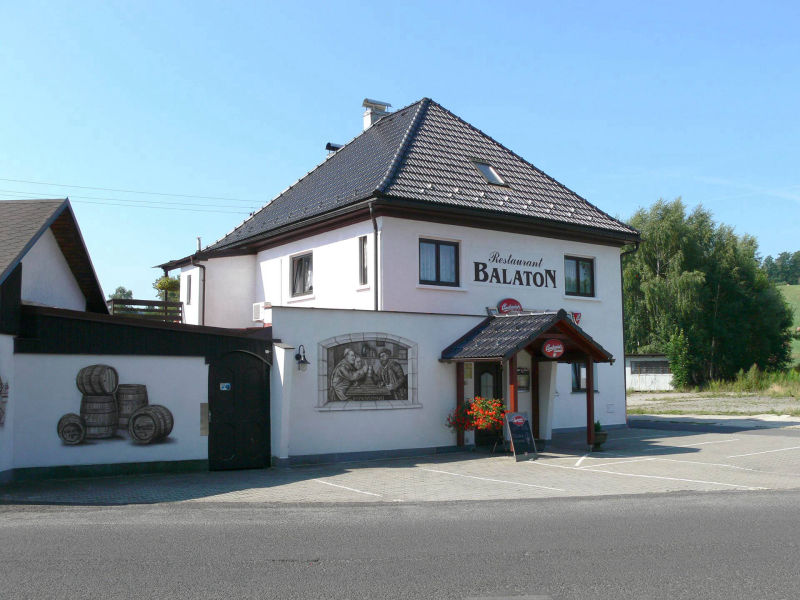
<point>519,430</point>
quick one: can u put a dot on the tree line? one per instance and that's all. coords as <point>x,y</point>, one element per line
<point>784,268</point>
<point>698,293</point>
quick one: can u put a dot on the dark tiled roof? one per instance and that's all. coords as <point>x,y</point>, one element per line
<point>500,337</point>
<point>23,222</point>
<point>424,152</point>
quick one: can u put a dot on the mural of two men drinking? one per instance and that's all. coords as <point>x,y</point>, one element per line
<point>362,372</point>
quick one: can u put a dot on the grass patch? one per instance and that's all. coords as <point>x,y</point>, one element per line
<point>744,412</point>
<point>785,384</point>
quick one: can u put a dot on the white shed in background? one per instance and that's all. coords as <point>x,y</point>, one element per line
<point>647,373</point>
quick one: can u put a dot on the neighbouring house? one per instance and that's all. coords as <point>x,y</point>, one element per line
<point>72,376</point>
<point>420,265</point>
<point>647,373</point>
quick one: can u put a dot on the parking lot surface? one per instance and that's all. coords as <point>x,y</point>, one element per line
<point>633,461</point>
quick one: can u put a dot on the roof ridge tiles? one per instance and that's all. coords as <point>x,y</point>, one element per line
<point>422,109</point>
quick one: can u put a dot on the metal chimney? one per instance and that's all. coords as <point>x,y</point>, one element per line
<point>375,109</point>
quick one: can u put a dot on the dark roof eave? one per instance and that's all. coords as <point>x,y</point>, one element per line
<point>550,226</point>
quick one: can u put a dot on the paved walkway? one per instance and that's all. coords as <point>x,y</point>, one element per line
<point>634,461</point>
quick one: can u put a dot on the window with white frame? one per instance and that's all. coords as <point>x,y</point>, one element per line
<point>188,290</point>
<point>438,263</point>
<point>362,261</point>
<point>302,275</point>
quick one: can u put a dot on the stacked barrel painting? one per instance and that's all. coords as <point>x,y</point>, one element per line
<point>108,406</point>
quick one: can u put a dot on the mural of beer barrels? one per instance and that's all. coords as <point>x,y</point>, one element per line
<point>150,424</point>
<point>71,429</point>
<point>130,398</point>
<point>97,380</point>
<point>100,415</point>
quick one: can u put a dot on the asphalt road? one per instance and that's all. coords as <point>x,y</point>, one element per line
<point>688,545</point>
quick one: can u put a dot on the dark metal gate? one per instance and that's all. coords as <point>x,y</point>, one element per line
<point>238,402</point>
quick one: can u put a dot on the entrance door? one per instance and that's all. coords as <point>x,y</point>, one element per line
<point>488,378</point>
<point>238,403</point>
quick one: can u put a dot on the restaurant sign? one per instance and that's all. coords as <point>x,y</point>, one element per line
<point>507,269</point>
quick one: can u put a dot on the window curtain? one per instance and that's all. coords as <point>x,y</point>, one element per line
<point>447,263</point>
<point>427,262</point>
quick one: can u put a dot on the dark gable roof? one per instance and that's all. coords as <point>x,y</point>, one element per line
<point>502,336</point>
<point>23,222</point>
<point>424,153</point>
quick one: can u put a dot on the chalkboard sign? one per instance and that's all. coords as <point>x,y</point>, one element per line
<point>519,429</point>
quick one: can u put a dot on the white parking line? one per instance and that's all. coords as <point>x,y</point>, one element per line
<point>697,462</point>
<point>543,487</point>
<point>344,487</point>
<point>580,460</point>
<point>586,470</point>
<point>619,462</point>
<point>764,452</point>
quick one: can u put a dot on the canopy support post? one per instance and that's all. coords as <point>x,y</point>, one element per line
<point>459,400</point>
<point>513,403</point>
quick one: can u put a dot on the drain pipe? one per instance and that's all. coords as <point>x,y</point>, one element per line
<point>622,298</point>
<point>374,253</point>
<point>202,290</point>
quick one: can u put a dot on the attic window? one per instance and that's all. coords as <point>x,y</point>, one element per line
<point>489,172</point>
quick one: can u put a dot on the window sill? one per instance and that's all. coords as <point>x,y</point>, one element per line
<point>582,298</point>
<point>300,298</point>
<point>441,288</point>
<point>367,405</point>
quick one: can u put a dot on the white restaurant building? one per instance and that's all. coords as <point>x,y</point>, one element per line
<point>396,253</point>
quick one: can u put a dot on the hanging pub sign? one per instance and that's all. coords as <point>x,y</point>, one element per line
<point>504,269</point>
<point>508,305</point>
<point>519,430</point>
<point>553,348</point>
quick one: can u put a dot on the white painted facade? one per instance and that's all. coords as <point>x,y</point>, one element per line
<point>47,279</point>
<point>178,383</point>
<point>335,281</point>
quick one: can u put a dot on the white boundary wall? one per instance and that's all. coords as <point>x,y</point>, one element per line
<point>362,426</point>
<point>7,430</point>
<point>47,278</point>
<point>44,390</point>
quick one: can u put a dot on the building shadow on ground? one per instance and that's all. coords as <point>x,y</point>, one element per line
<point>178,487</point>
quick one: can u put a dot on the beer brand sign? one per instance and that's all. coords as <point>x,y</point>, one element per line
<point>508,305</point>
<point>553,348</point>
<point>507,269</point>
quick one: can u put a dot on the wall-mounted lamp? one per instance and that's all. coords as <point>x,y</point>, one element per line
<point>300,357</point>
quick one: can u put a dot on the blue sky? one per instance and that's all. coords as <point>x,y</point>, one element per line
<point>223,105</point>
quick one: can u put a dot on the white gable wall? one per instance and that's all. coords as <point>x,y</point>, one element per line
<point>47,278</point>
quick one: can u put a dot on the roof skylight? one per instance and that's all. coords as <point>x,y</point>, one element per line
<point>489,172</point>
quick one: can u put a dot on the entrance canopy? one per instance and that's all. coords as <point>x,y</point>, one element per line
<point>500,337</point>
